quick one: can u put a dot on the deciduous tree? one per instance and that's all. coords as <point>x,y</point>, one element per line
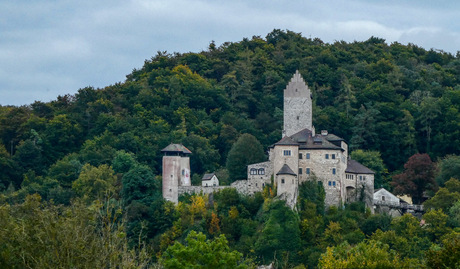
<point>418,177</point>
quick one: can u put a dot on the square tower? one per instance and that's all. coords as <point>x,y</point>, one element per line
<point>176,170</point>
<point>297,106</point>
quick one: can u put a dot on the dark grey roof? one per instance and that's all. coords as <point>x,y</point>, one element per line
<point>286,141</point>
<point>306,140</point>
<point>176,148</point>
<point>333,137</point>
<point>286,170</point>
<point>357,168</point>
<point>302,135</point>
<point>207,176</point>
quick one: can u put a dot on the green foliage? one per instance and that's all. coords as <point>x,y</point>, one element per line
<point>95,182</point>
<point>311,192</point>
<point>368,254</point>
<point>446,197</point>
<point>246,150</point>
<point>373,161</point>
<point>280,236</point>
<point>449,167</point>
<point>446,255</point>
<point>39,235</point>
<point>139,184</point>
<point>123,162</point>
<point>201,253</point>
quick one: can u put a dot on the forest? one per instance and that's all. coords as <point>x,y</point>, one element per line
<point>80,176</point>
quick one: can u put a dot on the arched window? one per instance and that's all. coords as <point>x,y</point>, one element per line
<point>261,171</point>
<point>253,171</point>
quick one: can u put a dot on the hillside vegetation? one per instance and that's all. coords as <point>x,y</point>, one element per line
<point>90,163</point>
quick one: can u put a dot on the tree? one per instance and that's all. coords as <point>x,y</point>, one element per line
<point>364,130</point>
<point>445,197</point>
<point>201,253</point>
<point>36,234</point>
<point>280,236</point>
<point>445,256</point>
<point>123,161</point>
<point>418,177</point>
<point>449,167</point>
<point>372,160</point>
<point>367,254</point>
<point>246,150</point>
<point>5,166</point>
<point>139,184</point>
<point>95,182</point>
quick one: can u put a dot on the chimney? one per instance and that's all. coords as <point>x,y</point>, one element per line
<point>324,132</point>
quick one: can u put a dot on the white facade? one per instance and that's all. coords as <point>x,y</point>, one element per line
<point>210,181</point>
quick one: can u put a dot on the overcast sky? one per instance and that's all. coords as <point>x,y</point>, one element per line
<point>55,47</point>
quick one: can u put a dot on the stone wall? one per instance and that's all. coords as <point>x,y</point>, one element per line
<point>322,168</point>
<point>241,187</point>
<point>200,189</point>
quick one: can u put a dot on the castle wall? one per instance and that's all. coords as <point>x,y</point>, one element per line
<point>241,187</point>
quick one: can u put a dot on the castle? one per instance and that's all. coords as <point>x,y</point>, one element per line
<point>299,156</point>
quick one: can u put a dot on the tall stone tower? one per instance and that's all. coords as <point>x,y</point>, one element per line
<point>176,170</point>
<point>297,106</point>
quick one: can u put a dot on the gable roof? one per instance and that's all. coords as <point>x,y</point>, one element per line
<point>176,148</point>
<point>286,141</point>
<point>207,176</point>
<point>357,168</point>
<point>286,170</point>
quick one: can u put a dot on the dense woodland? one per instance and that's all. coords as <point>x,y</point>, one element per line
<point>80,177</point>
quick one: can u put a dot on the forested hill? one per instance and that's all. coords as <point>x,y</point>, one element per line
<point>394,99</point>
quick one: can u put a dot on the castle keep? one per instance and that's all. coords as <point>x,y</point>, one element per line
<point>300,155</point>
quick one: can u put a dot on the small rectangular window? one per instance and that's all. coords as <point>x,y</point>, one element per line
<point>308,155</point>
<point>327,156</point>
<point>333,183</point>
<point>300,171</point>
<point>329,183</point>
<point>286,152</point>
<point>307,171</point>
<point>333,156</point>
<point>300,156</point>
<point>360,177</point>
<point>333,171</point>
<point>282,181</point>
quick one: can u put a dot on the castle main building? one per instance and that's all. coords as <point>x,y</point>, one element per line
<point>303,155</point>
<point>299,156</point>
